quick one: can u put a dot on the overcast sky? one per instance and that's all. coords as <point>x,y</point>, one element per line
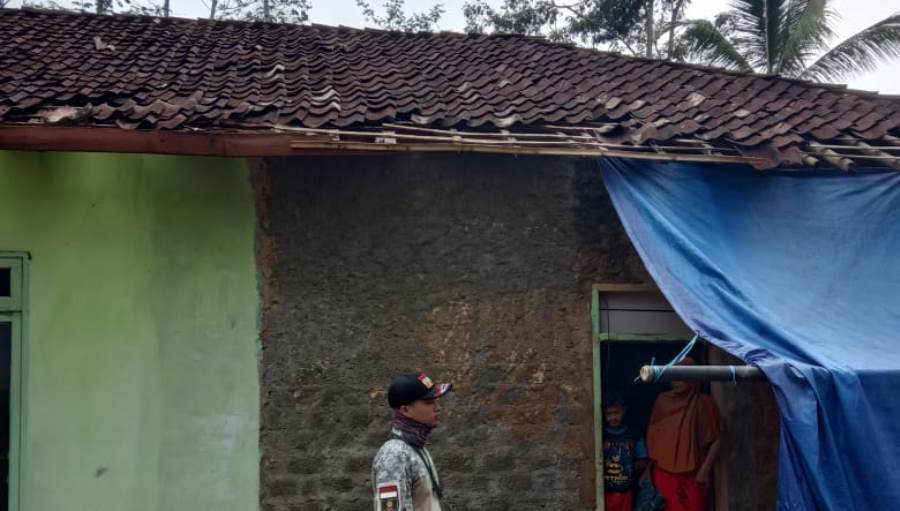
<point>855,15</point>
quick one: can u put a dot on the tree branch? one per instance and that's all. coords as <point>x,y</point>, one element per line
<point>676,9</point>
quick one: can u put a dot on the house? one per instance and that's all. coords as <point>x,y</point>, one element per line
<point>224,238</point>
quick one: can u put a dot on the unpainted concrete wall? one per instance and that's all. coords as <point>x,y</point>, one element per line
<point>748,467</point>
<point>476,269</point>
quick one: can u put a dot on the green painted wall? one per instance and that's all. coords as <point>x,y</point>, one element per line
<point>141,377</point>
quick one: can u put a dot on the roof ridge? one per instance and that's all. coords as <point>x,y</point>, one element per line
<point>199,74</point>
<point>156,19</point>
<point>837,87</point>
<point>841,87</point>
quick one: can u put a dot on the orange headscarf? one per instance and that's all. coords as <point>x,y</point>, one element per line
<point>683,426</point>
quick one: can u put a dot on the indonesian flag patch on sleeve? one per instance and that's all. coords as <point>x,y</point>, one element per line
<point>389,496</point>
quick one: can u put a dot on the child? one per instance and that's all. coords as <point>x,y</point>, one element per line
<point>624,455</point>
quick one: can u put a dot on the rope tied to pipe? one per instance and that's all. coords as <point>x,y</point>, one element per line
<point>659,370</point>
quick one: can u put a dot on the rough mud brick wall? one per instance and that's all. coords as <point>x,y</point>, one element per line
<point>476,268</point>
<point>749,462</point>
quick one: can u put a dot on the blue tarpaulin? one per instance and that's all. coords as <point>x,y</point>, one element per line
<point>797,272</point>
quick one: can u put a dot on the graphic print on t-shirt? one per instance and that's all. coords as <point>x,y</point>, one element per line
<point>620,450</point>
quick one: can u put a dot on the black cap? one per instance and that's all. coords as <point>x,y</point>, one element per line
<point>410,387</point>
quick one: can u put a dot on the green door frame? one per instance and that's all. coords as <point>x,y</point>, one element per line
<point>597,329</point>
<point>14,310</point>
<point>16,265</point>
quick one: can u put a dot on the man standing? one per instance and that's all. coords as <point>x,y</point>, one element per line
<point>403,474</point>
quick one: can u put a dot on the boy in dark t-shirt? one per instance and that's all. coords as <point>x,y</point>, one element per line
<point>624,456</point>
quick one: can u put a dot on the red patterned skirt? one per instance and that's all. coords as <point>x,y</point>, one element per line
<point>681,491</point>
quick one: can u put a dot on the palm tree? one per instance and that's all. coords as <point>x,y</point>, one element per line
<point>783,37</point>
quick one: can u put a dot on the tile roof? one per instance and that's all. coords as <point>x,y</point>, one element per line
<point>177,74</point>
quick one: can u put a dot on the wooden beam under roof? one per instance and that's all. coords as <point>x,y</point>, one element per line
<point>238,142</point>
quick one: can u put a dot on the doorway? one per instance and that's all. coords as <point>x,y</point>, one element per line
<point>13,268</point>
<point>633,325</point>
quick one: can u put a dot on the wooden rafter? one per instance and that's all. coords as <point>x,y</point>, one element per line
<point>587,141</point>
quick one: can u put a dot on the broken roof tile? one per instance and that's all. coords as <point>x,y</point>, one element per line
<point>147,73</point>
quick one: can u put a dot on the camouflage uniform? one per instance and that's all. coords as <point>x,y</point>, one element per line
<point>400,478</point>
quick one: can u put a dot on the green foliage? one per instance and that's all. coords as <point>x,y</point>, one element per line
<point>632,26</point>
<point>529,17</point>
<point>395,17</point>
<point>275,11</point>
<point>862,52</point>
<point>705,41</point>
<point>97,6</point>
<point>782,37</point>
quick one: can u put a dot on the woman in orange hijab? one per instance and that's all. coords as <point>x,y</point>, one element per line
<point>683,440</point>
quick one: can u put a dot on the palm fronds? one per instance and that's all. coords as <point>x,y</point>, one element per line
<point>757,30</point>
<point>701,41</point>
<point>807,30</point>
<point>861,52</point>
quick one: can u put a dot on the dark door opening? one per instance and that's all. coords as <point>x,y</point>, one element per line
<point>5,282</point>
<point>632,325</point>
<point>12,303</point>
<point>621,361</point>
<point>6,336</point>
